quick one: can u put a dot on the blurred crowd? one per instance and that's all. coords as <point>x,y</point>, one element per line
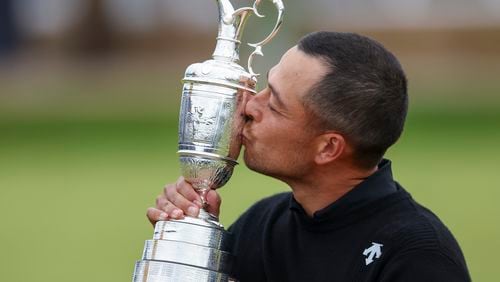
<point>92,25</point>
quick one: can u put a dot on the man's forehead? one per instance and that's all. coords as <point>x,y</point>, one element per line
<point>298,67</point>
<point>289,55</point>
<point>293,49</point>
<point>285,62</point>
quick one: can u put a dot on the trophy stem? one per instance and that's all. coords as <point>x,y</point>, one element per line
<point>204,214</point>
<point>203,195</point>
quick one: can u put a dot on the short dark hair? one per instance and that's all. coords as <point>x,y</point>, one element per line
<point>363,95</point>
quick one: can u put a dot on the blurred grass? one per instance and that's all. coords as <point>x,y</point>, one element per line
<point>74,192</point>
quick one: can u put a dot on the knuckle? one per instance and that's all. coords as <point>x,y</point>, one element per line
<point>167,187</point>
<point>180,186</point>
<point>168,207</point>
<point>161,203</point>
<point>149,213</point>
<point>171,192</point>
<point>158,199</point>
<point>182,204</point>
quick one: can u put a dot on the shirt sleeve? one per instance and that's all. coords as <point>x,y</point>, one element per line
<point>425,265</point>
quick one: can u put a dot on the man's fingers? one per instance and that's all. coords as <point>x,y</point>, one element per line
<point>213,201</point>
<point>155,215</point>
<point>186,190</point>
<point>172,211</point>
<point>181,199</point>
<point>175,198</point>
<point>161,201</point>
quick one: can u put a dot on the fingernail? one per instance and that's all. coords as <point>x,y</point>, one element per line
<point>176,213</point>
<point>163,216</point>
<point>192,211</point>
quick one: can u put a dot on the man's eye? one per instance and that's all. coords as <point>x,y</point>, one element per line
<point>271,108</point>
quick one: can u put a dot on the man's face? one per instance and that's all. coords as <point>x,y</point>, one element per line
<point>278,137</point>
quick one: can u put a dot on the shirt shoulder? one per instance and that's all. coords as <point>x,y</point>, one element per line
<point>417,240</point>
<point>415,226</point>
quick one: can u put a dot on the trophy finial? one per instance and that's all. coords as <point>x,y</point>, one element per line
<point>231,23</point>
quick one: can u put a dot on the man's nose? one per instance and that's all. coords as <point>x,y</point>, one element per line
<point>252,111</point>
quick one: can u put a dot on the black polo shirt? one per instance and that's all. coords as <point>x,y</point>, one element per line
<point>375,232</point>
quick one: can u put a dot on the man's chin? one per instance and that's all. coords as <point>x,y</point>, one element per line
<point>253,165</point>
<point>248,160</point>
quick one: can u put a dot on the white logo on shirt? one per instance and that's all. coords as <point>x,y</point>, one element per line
<point>374,251</point>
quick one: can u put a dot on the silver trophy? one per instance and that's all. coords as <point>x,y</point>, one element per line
<point>210,122</point>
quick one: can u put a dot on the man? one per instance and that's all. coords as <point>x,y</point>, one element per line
<point>332,107</point>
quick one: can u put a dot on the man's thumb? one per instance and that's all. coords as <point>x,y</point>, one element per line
<point>213,201</point>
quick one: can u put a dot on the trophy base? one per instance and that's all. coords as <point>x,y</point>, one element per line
<point>160,271</point>
<point>190,249</point>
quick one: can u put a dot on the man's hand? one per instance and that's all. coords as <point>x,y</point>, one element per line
<point>180,199</point>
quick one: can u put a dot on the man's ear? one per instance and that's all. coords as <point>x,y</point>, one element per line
<point>330,147</point>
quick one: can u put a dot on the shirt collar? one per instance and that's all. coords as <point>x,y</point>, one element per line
<point>374,187</point>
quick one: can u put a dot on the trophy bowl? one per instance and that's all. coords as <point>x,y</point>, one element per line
<point>211,119</point>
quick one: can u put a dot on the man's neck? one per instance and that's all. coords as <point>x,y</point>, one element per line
<point>325,187</point>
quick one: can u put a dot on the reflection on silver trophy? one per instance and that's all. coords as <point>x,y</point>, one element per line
<point>211,119</point>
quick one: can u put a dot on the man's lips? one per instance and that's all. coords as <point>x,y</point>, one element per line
<point>244,138</point>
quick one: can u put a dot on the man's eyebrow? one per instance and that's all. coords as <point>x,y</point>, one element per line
<point>275,93</point>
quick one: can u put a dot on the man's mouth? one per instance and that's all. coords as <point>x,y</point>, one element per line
<point>244,138</point>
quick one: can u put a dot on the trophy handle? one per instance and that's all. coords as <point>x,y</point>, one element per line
<point>242,12</point>
<point>258,46</point>
<point>229,19</point>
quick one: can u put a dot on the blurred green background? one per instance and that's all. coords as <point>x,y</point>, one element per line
<point>88,124</point>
